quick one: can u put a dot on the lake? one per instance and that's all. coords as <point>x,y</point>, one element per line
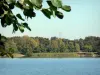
<point>50,66</point>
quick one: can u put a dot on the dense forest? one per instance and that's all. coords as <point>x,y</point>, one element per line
<point>28,45</point>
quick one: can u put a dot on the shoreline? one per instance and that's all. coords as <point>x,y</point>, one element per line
<point>57,55</point>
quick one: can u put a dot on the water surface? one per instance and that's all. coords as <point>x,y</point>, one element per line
<point>50,66</point>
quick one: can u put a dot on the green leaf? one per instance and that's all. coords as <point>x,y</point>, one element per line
<point>8,20</point>
<point>11,6</point>
<point>46,12</point>
<point>20,17</point>
<point>5,7</point>
<point>29,13</point>
<point>66,8</point>
<point>19,5</point>
<point>37,3</point>
<point>26,7</point>
<point>21,28</point>
<point>11,1</point>
<point>3,22</point>
<point>26,26</point>
<point>57,3</point>
<point>29,3</point>
<point>1,11</point>
<point>15,27</point>
<point>51,6</point>
<point>59,14</point>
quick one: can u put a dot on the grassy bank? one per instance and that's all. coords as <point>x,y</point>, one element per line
<point>57,55</point>
<point>54,55</point>
<point>62,55</point>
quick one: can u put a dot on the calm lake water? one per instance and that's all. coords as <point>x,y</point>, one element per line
<point>50,66</point>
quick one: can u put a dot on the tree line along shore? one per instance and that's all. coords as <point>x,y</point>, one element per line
<point>35,47</point>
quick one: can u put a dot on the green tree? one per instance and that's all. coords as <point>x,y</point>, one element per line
<point>3,51</point>
<point>61,45</point>
<point>81,43</point>
<point>77,47</point>
<point>88,48</point>
<point>71,46</point>
<point>10,46</point>
<point>54,45</point>
<point>28,45</point>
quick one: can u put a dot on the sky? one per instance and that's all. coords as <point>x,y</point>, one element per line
<point>82,21</point>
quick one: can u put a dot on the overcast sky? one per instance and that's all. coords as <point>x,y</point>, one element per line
<point>82,21</point>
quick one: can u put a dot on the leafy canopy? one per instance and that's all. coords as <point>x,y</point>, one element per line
<point>28,6</point>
